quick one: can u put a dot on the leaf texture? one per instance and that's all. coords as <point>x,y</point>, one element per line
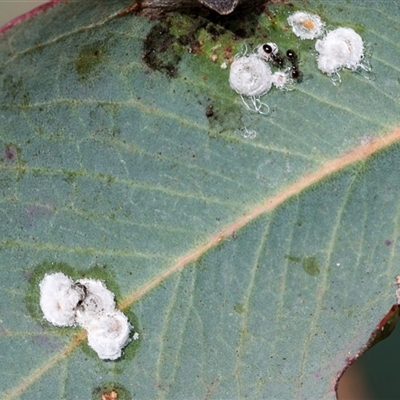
<point>250,267</point>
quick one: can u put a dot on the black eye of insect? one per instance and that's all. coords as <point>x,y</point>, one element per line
<point>267,48</point>
<point>291,55</point>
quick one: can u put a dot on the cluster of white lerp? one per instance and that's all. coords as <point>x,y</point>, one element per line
<point>251,75</point>
<point>88,303</point>
<point>340,48</point>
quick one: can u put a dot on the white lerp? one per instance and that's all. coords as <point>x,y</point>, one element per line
<point>250,76</point>
<point>340,48</point>
<point>305,25</point>
<point>58,299</point>
<point>108,333</point>
<point>98,299</point>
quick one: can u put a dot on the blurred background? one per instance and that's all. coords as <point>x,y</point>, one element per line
<point>374,375</point>
<point>12,8</point>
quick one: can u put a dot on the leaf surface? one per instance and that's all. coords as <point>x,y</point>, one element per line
<point>250,267</point>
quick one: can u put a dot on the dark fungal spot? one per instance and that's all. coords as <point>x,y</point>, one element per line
<point>221,117</point>
<point>175,35</point>
<point>169,39</point>
<point>159,53</point>
<point>214,30</point>
<point>293,258</point>
<point>14,91</point>
<point>89,58</point>
<point>311,266</point>
<point>240,308</point>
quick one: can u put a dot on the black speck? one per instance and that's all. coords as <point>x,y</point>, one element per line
<point>209,111</point>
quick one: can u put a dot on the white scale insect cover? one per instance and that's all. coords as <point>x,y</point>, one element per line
<point>306,25</point>
<point>58,299</point>
<point>250,76</point>
<point>98,299</point>
<point>280,79</point>
<point>108,333</point>
<point>340,48</point>
<point>89,304</point>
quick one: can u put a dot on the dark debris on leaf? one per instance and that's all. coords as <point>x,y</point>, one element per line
<point>111,391</point>
<point>170,38</point>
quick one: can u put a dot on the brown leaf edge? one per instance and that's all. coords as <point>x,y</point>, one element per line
<point>382,330</point>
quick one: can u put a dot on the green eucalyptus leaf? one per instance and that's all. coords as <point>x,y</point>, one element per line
<point>250,266</point>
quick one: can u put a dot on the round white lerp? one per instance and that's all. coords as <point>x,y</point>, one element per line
<point>280,79</point>
<point>108,333</point>
<point>340,48</point>
<point>98,299</point>
<point>58,299</point>
<point>306,25</point>
<point>250,76</point>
